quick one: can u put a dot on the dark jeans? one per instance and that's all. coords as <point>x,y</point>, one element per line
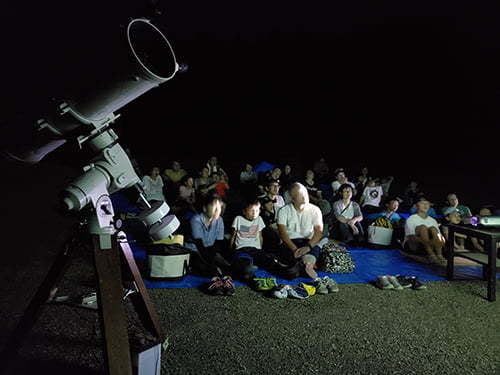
<point>343,232</point>
<point>248,256</point>
<point>210,261</point>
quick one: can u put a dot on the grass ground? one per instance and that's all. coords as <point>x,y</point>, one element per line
<point>447,329</point>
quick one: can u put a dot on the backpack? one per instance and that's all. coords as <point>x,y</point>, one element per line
<point>336,259</point>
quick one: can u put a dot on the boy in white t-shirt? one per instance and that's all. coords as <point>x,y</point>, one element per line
<point>247,240</point>
<point>422,231</point>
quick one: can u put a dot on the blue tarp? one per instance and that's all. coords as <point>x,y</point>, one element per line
<point>369,264</point>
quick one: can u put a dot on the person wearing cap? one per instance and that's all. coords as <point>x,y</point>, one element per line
<point>431,212</point>
<point>341,179</point>
<point>454,216</point>
<point>452,202</point>
<point>271,190</point>
<point>422,231</point>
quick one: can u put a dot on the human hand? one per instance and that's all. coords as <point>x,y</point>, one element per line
<point>355,230</point>
<point>301,251</point>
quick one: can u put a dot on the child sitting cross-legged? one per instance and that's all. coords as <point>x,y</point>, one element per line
<point>247,242</point>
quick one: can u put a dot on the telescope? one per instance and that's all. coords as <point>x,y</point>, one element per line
<point>484,221</point>
<point>146,61</point>
<point>143,60</point>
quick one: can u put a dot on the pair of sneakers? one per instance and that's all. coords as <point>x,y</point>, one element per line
<point>301,291</point>
<point>399,282</point>
<point>326,285</point>
<point>221,286</point>
<point>265,283</point>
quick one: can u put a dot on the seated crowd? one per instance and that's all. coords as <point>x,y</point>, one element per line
<point>279,221</point>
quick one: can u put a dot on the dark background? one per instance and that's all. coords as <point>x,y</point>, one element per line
<point>409,89</point>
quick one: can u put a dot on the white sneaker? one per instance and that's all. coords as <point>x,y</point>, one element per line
<point>282,292</point>
<point>395,283</point>
<point>384,283</point>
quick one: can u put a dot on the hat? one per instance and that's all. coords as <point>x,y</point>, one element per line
<point>450,210</point>
<point>273,181</point>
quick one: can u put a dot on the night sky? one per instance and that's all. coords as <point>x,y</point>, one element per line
<point>402,86</point>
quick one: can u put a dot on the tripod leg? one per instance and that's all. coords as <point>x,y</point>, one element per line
<point>143,303</point>
<point>111,310</point>
<point>33,310</point>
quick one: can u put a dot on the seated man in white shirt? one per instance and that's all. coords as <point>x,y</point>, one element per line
<point>300,226</point>
<point>422,235</point>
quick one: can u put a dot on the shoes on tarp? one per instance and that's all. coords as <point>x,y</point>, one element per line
<point>265,283</point>
<point>221,286</point>
<point>228,286</point>
<point>321,287</point>
<point>302,291</point>
<point>331,285</point>
<point>216,286</point>
<point>282,291</point>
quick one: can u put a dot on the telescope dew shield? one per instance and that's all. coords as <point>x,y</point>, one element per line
<point>137,60</point>
<point>149,60</point>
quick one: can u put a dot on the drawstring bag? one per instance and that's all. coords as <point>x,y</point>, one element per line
<point>336,259</point>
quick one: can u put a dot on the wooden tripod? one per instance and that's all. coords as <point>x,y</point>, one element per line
<point>109,297</point>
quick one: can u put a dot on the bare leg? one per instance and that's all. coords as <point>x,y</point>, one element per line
<point>423,235</point>
<point>437,241</point>
<point>309,261</point>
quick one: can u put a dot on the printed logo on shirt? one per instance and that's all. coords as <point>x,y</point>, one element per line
<point>248,231</point>
<point>374,194</point>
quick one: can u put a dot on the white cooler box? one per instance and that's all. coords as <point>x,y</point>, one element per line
<point>167,262</point>
<point>379,235</point>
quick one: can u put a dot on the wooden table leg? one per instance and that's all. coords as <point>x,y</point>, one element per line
<point>492,269</point>
<point>450,245</point>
